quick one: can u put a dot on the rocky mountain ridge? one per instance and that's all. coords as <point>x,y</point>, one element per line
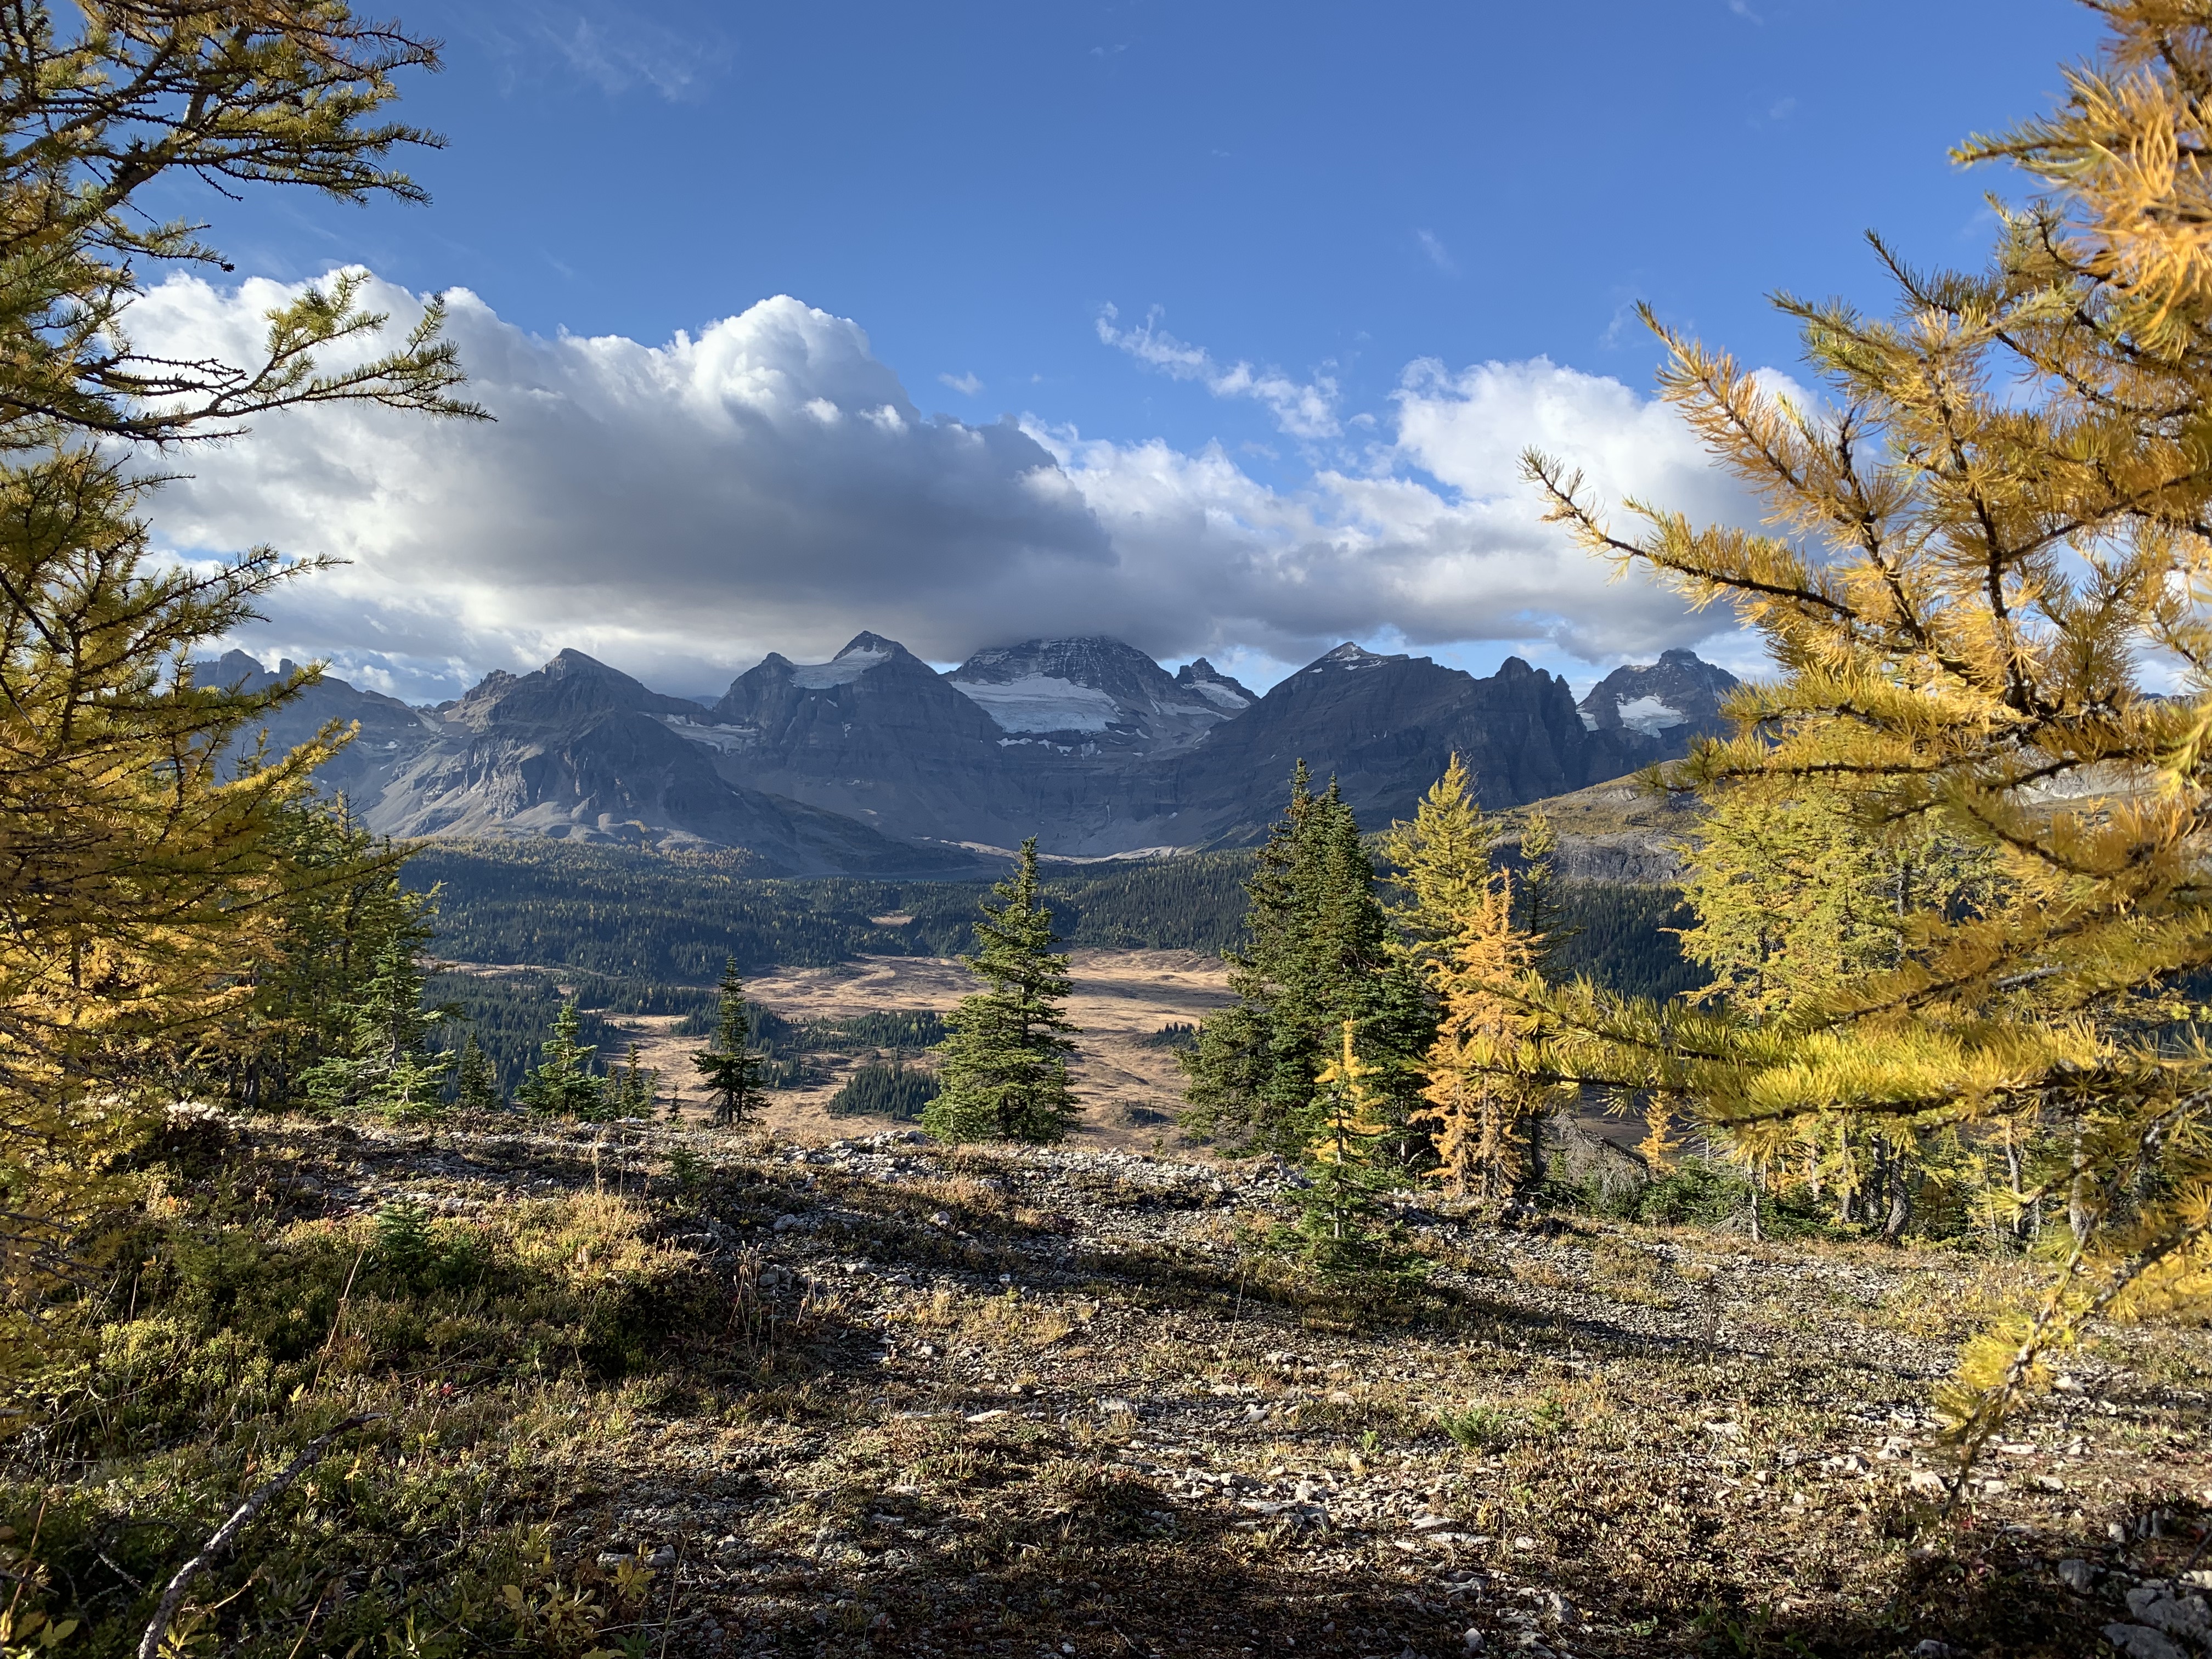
<point>874,763</point>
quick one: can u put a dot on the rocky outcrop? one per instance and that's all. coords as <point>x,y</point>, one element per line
<point>875,733</point>
<point>874,763</point>
<point>1093,747</point>
<point>1676,699</point>
<point>1097,696</point>
<point>1228,695</point>
<point>1384,727</point>
<point>575,750</point>
<point>389,736</point>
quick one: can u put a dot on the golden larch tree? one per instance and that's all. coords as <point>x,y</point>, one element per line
<point>1991,521</point>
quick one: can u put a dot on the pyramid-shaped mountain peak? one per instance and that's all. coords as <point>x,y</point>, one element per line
<point>864,643</point>
<point>569,660</point>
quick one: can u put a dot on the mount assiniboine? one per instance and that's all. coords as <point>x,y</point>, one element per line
<point>875,764</point>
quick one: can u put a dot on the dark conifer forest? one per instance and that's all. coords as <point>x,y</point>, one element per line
<point>654,927</point>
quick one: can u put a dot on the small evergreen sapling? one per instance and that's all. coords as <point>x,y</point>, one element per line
<point>631,1088</point>
<point>1340,1228</point>
<point>562,1086</point>
<point>391,1067</point>
<point>1004,1070</point>
<point>731,1065</point>
<point>476,1084</point>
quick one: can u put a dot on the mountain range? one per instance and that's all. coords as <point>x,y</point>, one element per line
<point>875,764</point>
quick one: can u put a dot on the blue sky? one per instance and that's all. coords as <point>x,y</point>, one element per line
<point>1326,195</point>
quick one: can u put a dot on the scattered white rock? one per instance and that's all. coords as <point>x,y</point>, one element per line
<point>2141,1642</point>
<point>2155,1605</point>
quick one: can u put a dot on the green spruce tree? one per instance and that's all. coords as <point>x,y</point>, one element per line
<point>1317,954</point>
<point>1003,1069</point>
<point>343,907</point>
<point>563,1084</point>
<point>389,1065</point>
<point>475,1085</point>
<point>731,1065</point>
<point>631,1088</point>
<point>1342,1230</point>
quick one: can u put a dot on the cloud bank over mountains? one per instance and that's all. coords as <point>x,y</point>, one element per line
<point>680,509</point>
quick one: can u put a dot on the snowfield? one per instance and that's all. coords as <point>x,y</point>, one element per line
<point>841,670</point>
<point>1649,716</point>
<point>1039,703</point>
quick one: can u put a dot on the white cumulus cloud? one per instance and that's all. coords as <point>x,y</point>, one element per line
<point>680,509</point>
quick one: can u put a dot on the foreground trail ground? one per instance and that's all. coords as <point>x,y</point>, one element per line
<point>648,1389</point>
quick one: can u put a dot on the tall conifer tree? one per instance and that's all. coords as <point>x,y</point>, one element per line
<point>1316,956</point>
<point>731,1066</point>
<point>1481,1096</point>
<point>1004,1062</point>
<point>389,1065</point>
<point>142,877</point>
<point>1992,517</point>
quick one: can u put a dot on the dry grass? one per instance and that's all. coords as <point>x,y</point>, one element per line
<point>1608,1441</point>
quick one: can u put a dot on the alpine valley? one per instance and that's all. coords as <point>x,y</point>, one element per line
<point>874,763</point>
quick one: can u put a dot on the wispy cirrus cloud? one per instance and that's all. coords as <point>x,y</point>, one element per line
<point>616,48</point>
<point>1302,409</point>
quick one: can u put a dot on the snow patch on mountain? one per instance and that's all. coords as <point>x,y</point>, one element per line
<point>1221,696</point>
<point>1649,716</point>
<point>1041,703</point>
<point>1348,655</point>
<point>843,669</point>
<point>724,739</point>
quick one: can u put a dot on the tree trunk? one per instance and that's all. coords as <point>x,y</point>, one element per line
<point>2077,1193</point>
<point>2013,1168</point>
<point>1901,1202</point>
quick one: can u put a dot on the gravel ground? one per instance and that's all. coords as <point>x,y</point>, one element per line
<point>1053,1402</point>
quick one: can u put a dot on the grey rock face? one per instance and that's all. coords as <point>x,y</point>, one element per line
<point>873,762</point>
<point>1676,699</point>
<point>391,737</point>
<point>1096,694</point>
<point>575,750</point>
<point>1384,727</point>
<point>1228,695</point>
<point>874,733</point>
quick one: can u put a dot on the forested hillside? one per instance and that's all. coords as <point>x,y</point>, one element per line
<point>650,919</point>
<point>676,919</point>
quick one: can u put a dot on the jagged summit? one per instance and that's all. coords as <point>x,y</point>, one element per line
<point>1678,697</point>
<point>1351,655</point>
<point>572,687</point>
<point>873,762</point>
<point>1088,692</point>
<point>391,733</point>
<point>1230,696</point>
